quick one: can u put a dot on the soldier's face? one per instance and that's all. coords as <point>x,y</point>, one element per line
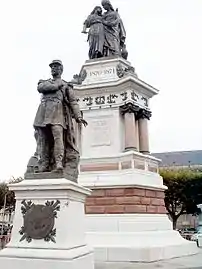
<point>56,70</point>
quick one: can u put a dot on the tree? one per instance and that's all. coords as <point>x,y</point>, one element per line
<point>8,196</point>
<point>184,192</point>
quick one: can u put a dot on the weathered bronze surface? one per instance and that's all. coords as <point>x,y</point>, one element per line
<point>106,35</point>
<point>57,151</point>
<point>39,221</point>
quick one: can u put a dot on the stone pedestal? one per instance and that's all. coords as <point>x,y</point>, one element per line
<point>126,219</point>
<point>65,246</point>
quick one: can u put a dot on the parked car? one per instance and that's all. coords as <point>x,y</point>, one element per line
<point>196,236</point>
<point>188,230</point>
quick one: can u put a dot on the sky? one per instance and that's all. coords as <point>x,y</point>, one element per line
<point>164,40</point>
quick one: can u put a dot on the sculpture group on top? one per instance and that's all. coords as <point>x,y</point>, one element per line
<point>106,35</point>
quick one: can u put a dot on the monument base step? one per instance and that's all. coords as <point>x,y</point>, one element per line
<point>76,258</point>
<point>111,252</point>
<point>135,238</point>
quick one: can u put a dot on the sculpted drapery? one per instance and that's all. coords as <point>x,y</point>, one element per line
<point>106,34</point>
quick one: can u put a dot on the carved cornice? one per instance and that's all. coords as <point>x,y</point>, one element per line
<point>129,108</point>
<point>144,114</point>
<point>140,113</point>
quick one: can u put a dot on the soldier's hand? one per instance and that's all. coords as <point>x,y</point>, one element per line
<point>82,121</point>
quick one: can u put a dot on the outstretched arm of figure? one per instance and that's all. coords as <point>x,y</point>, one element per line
<point>86,25</point>
<point>84,29</point>
<point>46,86</point>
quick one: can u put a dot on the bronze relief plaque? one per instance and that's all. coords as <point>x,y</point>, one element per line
<point>39,221</point>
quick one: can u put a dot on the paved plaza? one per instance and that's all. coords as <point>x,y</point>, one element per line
<point>194,261</point>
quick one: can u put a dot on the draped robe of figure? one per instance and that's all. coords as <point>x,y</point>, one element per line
<point>95,35</point>
<point>115,33</point>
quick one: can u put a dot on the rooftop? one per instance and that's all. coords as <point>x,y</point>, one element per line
<point>180,158</point>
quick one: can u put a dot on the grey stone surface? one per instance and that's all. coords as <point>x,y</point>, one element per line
<point>189,262</point>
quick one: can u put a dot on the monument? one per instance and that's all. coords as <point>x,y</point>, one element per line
<point>49,223</point>
<point>126,219</point>
<point>125,216</point>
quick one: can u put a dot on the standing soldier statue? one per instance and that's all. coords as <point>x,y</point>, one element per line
<point>53,123</point>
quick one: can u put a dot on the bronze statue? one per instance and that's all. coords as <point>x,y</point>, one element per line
<point>96,33</point>
<point>115,34</point>
<point>53,123</point>
<point>106,34</point>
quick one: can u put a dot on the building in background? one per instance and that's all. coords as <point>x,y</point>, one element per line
<point>180,159</point>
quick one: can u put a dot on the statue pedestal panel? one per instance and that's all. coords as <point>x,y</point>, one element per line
<point>49,226</point>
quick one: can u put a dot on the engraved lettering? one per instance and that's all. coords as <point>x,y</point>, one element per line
<point>96,73</point>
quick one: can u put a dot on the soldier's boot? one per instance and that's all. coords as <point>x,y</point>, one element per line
<point>42,151</point>
<point>43,166</point>
<point>44,160</point>
<point>59,162</point>
<point>57,131</point>
<point>59,166</point>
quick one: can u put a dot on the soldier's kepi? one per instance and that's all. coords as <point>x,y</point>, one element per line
<point>53,117</point>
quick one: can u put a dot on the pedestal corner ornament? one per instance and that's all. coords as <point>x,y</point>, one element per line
<point>39,221</point>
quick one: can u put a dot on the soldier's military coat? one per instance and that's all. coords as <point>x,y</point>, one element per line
<point>54,97</point>
<point>58,106</point>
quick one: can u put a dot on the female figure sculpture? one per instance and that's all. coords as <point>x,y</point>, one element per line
<point>106,34</point>
<point>96,33</point>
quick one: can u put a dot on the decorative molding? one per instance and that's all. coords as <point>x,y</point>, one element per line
<point>122,71</point>
<point>100,100</point>
<point>124,96</point>
<point>129,108</point>
<point>39,221</point>
<point>111,98</point>
<point>88,100</point>
<point>115,99</point>
<point>144,114</point>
